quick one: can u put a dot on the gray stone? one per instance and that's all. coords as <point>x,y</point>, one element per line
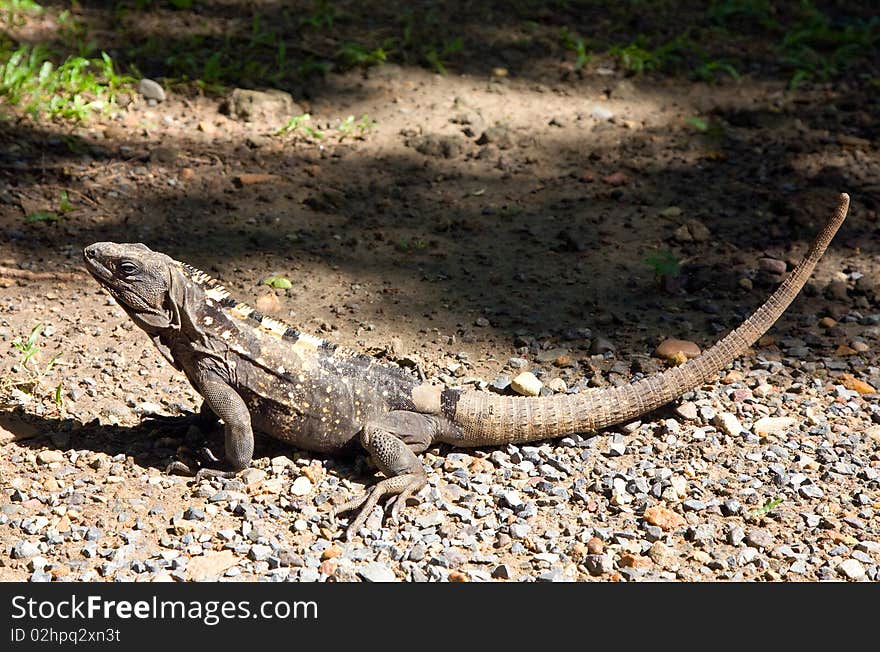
<point>377,572</point>
<point>501,383</point>
<point>502,572</point>
<point>598,564</point>
<point>727,423</point>
<point>309,574</point>
<point>512,499</point>
<point>194,514</point>
<point>851,569</point>
<point>272,106</point>
<point>151,90</point>
<point>731,507</point>
<point>702,533</point>
<point>654,533</point>
<point>552,575</point>
<point>687,411</point>
<point>41,576</point>
<point>735,535</point>
<point>799,567</point>
<point>431,519</point>
<point>417,552</point>
<point>868,546</point>
<point>25,550</point>
<point>810,491</point>
<point>601,345</point>
<point>259,552</point>
<point>615,449</point>
<point>759,538</point>
<point>601,114</point>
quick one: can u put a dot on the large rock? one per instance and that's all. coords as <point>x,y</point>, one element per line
<point>664,517</point>
<point>272,106</point>
<point>377,572</point>
<point>773,425</point>
<point>526,384</point>
<point>151,90</point>
<point>671,348</point>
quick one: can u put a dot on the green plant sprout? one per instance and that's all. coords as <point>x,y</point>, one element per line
<point>436,57</point>
<point>665,265</point>
<point>33,373</point>
<point>765,509</point>
<point>359,130</point>
<point>298,124</point>
<point>279,282</point>
<point>576,44</point>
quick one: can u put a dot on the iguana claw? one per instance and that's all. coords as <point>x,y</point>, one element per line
<point>400,486</point>
<point>179,468</point>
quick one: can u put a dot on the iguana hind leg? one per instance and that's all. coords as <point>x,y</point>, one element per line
<point>392,442</point>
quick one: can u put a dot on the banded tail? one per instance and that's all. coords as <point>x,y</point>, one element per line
<point>489,419</point>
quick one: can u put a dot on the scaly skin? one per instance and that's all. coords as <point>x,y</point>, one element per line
<point>256,373</point>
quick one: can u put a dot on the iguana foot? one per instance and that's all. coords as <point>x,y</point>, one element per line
<point>214,473</point>
<point>401,486</point>
<point>179,468</point>
<point>391,441</point>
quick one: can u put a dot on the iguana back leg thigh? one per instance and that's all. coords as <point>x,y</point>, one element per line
<point>392,442</point>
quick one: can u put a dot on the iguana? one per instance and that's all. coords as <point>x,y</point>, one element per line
<point>257,373</point>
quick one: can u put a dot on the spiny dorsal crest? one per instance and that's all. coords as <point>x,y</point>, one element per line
<point>214,291</point>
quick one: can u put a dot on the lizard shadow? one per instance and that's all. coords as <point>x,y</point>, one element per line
<point>153,445</point>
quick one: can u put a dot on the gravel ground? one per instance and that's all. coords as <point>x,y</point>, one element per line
<point>772,474</point>
<point>487,225</point>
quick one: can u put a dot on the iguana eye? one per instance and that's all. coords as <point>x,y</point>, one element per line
<point>127,267</point>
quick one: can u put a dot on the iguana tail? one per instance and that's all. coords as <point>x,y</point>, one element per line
<point>488,419</point>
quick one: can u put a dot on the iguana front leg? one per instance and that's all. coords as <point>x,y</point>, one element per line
<point>226,404</point>
<point>392,442</point>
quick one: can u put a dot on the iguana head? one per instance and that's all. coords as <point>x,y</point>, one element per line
<point>147,284</point>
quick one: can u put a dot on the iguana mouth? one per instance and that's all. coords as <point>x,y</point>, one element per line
<point>95,268</point>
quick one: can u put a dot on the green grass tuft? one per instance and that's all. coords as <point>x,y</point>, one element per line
<point>73,89</point>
